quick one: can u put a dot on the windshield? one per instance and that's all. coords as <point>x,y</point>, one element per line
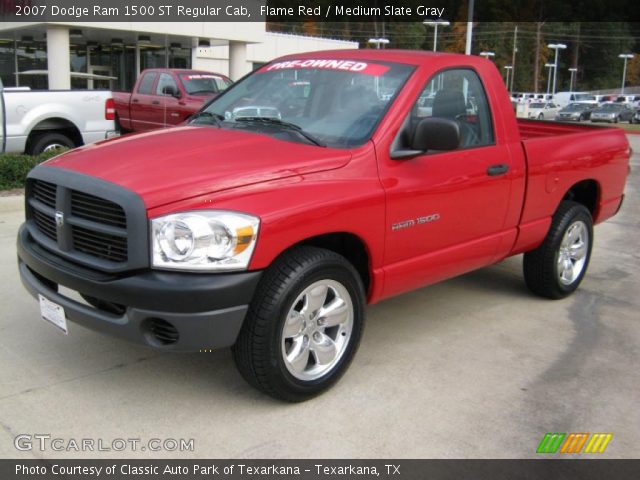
<point>584,97</point>
<point>611,107</point>
<point>574,107</point>
<point>204,83</point>
<point>338,103</point>
<point>537,105</point>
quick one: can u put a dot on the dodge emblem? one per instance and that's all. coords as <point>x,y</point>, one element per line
<point>59,219</point>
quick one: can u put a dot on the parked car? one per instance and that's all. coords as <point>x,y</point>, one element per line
<point>576,111</point>
<point>35,121</point>
<point>542,111</point>
<point>613,113</point>
<point>165,97</point>
<point>272,233</point>
<point>636,117</point>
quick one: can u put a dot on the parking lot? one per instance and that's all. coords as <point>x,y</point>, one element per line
<point>475,367</point>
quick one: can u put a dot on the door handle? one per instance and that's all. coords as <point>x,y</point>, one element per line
<point>135,100</point>
<point>155,102</point>
<point>499,169</point>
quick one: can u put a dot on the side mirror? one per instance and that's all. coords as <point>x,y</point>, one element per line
<point>434,133</point>
<point>170,90</point>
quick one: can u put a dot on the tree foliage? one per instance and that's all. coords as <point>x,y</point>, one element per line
<point>592,47</point>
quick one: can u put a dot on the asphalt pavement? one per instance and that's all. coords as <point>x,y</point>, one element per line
<point>474,367</point>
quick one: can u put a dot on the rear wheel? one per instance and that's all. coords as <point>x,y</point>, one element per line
<point>303,326</point>
<point>47,142</point>
<point>556,268</point>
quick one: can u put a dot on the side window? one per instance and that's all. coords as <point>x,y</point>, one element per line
<point>146,84</point>
<point>165,80</point>
<point>457,95</point>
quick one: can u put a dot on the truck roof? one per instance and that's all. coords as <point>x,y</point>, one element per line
<point>410,57</point>
<point>183,70</point>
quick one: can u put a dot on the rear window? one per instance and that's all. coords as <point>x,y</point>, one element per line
<point>203,83</point>
<point>146,83</point>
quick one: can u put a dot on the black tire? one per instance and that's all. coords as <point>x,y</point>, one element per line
<point>541,265</point>
<point>540,117</point>
<point>260,348</point>
<point>46,141</point>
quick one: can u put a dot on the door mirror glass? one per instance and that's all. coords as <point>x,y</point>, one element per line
<point>436,133</point>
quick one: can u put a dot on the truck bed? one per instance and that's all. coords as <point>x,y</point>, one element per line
<point>530,129</point>
<point>559,155</point>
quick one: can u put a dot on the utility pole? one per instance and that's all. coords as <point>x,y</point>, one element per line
<point>536,59</point>
<point>513,57</point>
<point>467,48</point>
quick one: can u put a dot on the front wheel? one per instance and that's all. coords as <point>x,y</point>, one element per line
<point>556,268</point>
<point>303,326</point>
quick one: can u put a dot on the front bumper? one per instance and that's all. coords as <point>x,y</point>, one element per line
<point>206,311</point>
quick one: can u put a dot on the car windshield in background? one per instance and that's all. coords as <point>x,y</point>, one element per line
<point>573,107</point>
<point>537,105</point>
<point>612,107</point>
<point>203,83</point>
<point>336,103</point>
<point>584,97</point>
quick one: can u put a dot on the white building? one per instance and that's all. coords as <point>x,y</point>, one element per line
<point>112,54</point>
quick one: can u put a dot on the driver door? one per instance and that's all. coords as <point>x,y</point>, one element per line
<point>446,210</point>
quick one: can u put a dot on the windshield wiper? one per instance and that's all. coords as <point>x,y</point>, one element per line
<point>282,123</point>
<point>217,118</point>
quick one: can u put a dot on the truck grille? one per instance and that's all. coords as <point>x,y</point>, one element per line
<point>97,209</point>
<point>101,245</point>
<point>45,192</point>
<point>46,224</point>
<point>90,225</point>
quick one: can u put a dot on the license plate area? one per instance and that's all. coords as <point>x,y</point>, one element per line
<point>53,313</point>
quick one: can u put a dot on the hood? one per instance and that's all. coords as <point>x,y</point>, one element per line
<point>165,166</point>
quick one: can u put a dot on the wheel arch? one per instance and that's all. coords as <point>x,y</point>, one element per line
<point>587,193</point>
<point>55,124</point>
<point>350,246</point>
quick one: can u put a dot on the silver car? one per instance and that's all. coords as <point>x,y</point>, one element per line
<point>613,113</point>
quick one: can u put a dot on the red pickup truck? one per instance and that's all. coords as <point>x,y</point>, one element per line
<point>164,97</point>
<point>316,185</point>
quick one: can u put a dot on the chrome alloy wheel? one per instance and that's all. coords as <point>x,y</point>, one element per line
<point>317,330</point>
<point>53,146</point>
<point>573,251</point>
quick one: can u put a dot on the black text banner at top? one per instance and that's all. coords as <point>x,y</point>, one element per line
<point>315,10</point>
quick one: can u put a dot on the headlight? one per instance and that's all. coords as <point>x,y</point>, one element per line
<point>208,240</point>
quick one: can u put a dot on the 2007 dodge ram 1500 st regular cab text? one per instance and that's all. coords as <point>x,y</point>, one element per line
<point>269,220</point>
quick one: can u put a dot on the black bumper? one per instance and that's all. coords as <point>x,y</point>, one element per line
<point>206,310</point>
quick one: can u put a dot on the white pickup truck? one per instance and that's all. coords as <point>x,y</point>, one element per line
<point>36,121</point>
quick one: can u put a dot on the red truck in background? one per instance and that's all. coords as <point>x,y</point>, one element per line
<point>271,218</point>
<point>164,97</point>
